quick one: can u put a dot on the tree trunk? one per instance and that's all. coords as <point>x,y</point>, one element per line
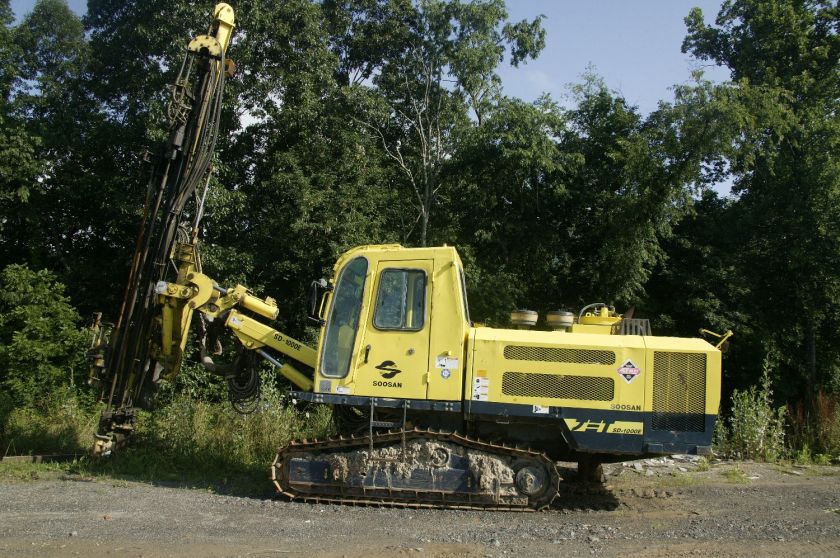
<point>811,360</point>
<point>424,226</point>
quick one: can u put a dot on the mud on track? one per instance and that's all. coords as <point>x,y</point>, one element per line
<point>747,510</point>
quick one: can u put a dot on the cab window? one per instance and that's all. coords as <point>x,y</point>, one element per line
<point>343,322</point>
<point>401,300</point>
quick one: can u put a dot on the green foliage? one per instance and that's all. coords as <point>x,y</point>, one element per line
<point>188,429</point>
<point>736,475</point>
<point>720,439</point>
<point>803,455</point>
<point>784,56</point>
<point>504,206</point>
<point>53,52</point>
<point>41,345</point>
<point>7,67</point>
<point>186,440</point>
<point>827,424</point>
<point>823,459</point>
<point>441,62</point>
<point>621,172</point>
<point>19,166</point>
<point>197,440</point>
<point>756,429</point>
<point>70,167</point>
<point>62,421</point>
<point>193,382</point>
<point>786,43</point>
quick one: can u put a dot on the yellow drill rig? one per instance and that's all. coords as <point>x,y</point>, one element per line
<point>432,410</point>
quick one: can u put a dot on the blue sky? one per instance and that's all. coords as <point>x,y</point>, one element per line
<point>633,44</point>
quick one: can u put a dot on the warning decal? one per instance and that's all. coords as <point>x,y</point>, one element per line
<point>481,389</point>
<point>629,371</point>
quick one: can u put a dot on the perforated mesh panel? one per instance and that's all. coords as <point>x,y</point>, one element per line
<point>555,386</point>
<point>679,391</point>
<point>559,354</point>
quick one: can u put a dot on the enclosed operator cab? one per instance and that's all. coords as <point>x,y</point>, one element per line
<point>397,335</point>
<point>396,325</point>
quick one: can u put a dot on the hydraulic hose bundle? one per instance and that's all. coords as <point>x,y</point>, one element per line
<point>181,173</point>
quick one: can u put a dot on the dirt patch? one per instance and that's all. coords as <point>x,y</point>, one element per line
<point>767,511</point>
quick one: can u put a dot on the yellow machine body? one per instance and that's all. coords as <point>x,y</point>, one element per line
<point>408,337</point>
<point>411,318</point>
<point>396,332</point>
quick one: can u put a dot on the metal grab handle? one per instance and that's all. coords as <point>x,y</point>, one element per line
<point>367,352</point>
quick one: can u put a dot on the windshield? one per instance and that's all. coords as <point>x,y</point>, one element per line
<point>343,321</point>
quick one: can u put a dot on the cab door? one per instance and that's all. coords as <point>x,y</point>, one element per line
<point>394,356</point>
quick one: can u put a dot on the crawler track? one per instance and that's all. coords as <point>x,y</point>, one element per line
<point>418,469</point>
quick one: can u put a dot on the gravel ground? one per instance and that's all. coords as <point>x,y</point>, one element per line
<point>655,508</point>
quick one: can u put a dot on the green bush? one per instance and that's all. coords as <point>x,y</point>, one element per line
<point>42,347</point>
<point>755,428</point>
<point>195,440</point>
<point>63,422</point>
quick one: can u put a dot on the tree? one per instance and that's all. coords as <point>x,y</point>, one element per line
<point>300,182</point>
<point>700,284</point>
<point>437,64</point>
<point>504,203</point>
<point>630,181</point>
<point>44,226</point>
<point>19,165</point>
<point>41,345</point>
<point>786,54</point>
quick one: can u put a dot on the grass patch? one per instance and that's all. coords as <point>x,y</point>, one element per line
<point>187,442</point>
<point>23,471</point>
<point>735,475</point>
<point>784,467</point>
<point>63,424</point>
<point>210,446</point>
<point>823,471</point>
<point>679,480</point>
<point>16,471</point>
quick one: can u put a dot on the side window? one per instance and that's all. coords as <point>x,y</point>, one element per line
<point>343,322</point>
<point>401,300</point>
